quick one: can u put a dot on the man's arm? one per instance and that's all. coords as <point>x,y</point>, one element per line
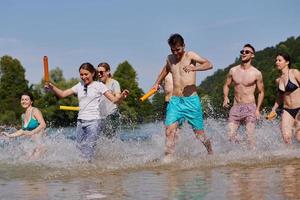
<point>226,89</point>
<point>164,72</point>
<point>202,64</point>
<point>261,92</point>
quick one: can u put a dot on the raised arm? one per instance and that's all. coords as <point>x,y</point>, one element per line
<point>226,89</point>
<point>58,92</point>
<point>202,64</point>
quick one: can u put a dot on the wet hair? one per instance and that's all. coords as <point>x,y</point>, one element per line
<point>106,67</point>
<point>286,57</point>
<point>175,39</point>
<point>250,46</point>
<point>89,67</point>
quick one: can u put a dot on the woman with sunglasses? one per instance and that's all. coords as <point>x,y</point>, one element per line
<point>89,93</point>
<point>33,124</point>
<point>289,95</point>
<point>109,110</point>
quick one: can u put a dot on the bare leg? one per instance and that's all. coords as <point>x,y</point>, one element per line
<point>250,127</point>
<point>176,134</point>
<point>170,138</point>
<point>297,132</point>
<point>297,127</point>
<point>37,152</point>
<point>287,122</point>
<point>200,135</point>
<point>40,148</point>
<point>232,132</point>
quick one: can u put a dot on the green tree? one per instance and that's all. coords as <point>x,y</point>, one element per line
<point>57,75</point>
<point>12,85</point>
<point>158,102</point>
<point>132,108</point>
<point>49,103</point>
<point>264,61</point>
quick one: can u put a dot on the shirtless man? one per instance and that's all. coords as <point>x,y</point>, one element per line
<point>184,104</point>
<point>246,79</point>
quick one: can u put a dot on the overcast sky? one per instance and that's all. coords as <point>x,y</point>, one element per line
<point>72,32</point>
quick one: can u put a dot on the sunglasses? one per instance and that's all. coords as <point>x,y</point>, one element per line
<point>245,52</point>
<point>85,90</point>
<point>101,72</point>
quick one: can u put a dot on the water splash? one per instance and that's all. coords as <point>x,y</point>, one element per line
<point>142,147</point>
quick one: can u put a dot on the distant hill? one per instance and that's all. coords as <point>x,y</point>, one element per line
<point>212,86</point>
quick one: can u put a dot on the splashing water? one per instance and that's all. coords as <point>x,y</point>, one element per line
<point>142,148</point>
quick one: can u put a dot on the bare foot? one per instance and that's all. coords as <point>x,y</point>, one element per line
<point>234,139</point>
<point>251,146</point>
<point>37,153</point>
<point>168,158</point>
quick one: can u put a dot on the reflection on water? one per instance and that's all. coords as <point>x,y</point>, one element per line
<point>246,182</point>
<point>129,167</point>
<point>291,181</point>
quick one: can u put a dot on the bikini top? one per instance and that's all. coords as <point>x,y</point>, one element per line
<point>290,86</point>
<point>31,124</point>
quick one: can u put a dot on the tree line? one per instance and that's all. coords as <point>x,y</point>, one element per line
<point>212,86</point>
<point>13,83</point>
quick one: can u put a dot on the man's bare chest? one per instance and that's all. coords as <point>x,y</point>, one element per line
<point>244,78</point>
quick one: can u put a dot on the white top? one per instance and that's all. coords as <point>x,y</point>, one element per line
<point>106,106</point>
<point>89,100</point>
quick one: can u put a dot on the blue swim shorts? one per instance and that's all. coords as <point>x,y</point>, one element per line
<point>185,108</point>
